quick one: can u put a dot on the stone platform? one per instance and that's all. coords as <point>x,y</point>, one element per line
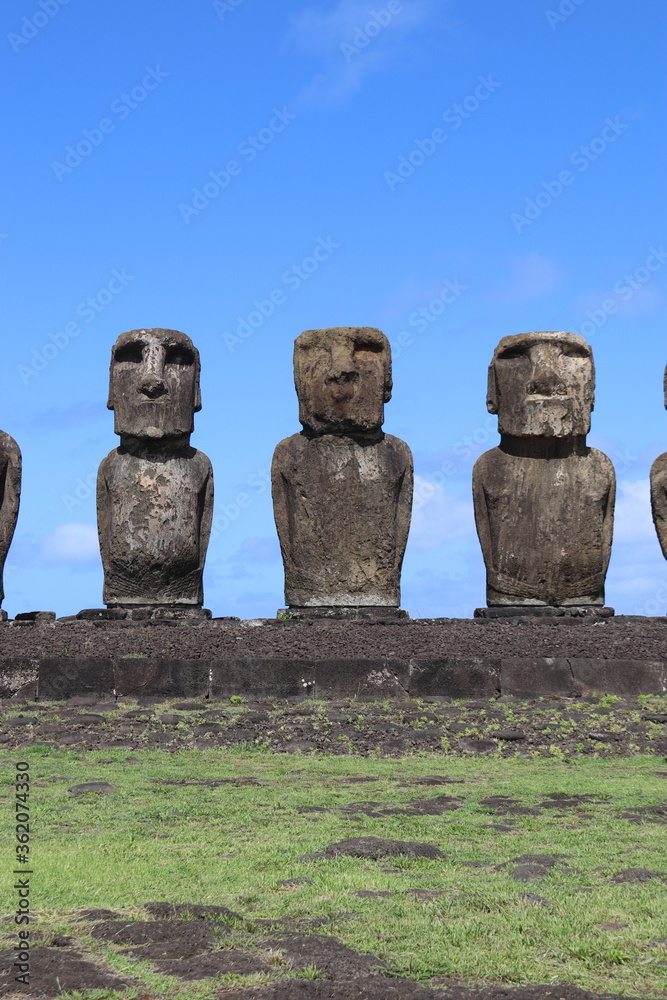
<point>544,611</point>
<point>313,658</point>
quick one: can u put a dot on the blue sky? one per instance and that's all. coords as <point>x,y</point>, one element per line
<point>241,170</point>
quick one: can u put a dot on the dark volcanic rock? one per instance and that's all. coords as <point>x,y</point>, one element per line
<point>374,848</point>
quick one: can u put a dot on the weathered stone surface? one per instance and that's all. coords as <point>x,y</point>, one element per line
<point>17,673</point>
<point>168,678</point>
<point>619,677</point>
<point>145,613</point>
<point>260,677</point>
<point>35,616</point>
<point>544,500</point>
<point>62,676</point>
<point>374,613</point>
<point>659,490</point>
<point>454,678</point>
<point>10,493</point>
<point>545,611</point>
<point>342,489</point>
<point>525,677</point>
<point>154,492</point>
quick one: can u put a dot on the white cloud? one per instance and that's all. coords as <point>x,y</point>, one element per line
<point>437,516</point>
<point>353,40</point>
<point>71,545</point>
<point>633,521</point>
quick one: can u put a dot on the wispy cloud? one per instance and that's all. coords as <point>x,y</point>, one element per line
<point>251,556</point>
<point>632,520</point>
<point>72,545</point>
<point>353,40</point>
<point>438,517</point>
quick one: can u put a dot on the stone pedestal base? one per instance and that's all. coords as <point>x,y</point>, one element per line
<point>362,614</point>
<point>544,611</point>
<point>36,616</point>
<point>143,614</point>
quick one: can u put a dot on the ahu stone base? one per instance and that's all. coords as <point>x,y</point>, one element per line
<point>144,613</point>
<point>355,614</point>
<point>544,611</point>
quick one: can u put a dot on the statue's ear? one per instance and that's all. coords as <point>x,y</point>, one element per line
<point>197,406</point>
<point>111,400</point>
<point>664,385</point>
<point>388,386</point>
<point>492,389</point>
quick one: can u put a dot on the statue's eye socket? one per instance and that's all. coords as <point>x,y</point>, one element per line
<point>132,353</point>
<point>179,356</point>
<point>575,352</point>
<point>510,353</point>
<point>368,347</point>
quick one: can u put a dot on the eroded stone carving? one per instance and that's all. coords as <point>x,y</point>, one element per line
<point>544,500</point>
<point>154,492</point>
<point>342,488</point>
<point>10,494</point>
<point>659,490</point>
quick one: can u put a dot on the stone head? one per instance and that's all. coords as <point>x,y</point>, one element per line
<point>542,385</point>
<point>343,379</point>
<point>154,384</point>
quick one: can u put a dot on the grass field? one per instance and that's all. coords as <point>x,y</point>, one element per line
<point>232,843</point>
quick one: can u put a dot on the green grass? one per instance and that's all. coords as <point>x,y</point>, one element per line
<point>230,845</point>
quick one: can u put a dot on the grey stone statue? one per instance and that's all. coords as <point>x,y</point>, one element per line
<point>10,494</point>
<point>544,500</point>
<point>154,492</point>
<point>342,488</point>
<point>659,491</point>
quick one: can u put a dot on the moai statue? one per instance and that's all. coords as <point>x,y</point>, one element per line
<point>342,488</point>
<point>544,500</point>
<point>154,492</point>
<point>659,492</point>
<point>10,494</point>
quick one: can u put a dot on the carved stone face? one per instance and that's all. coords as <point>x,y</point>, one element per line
<point>154,384</point>
<point>343,379</point>
<point>541,385</point>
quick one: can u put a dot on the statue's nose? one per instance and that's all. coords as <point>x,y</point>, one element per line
<point>545,378</point>
<point>342,368</point>
<point>153,386</point>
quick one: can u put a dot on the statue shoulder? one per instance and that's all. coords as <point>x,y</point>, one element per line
<point>603,462</point>
<point>399,448</point>
<point>289,448</point>
<point>9,447</point>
